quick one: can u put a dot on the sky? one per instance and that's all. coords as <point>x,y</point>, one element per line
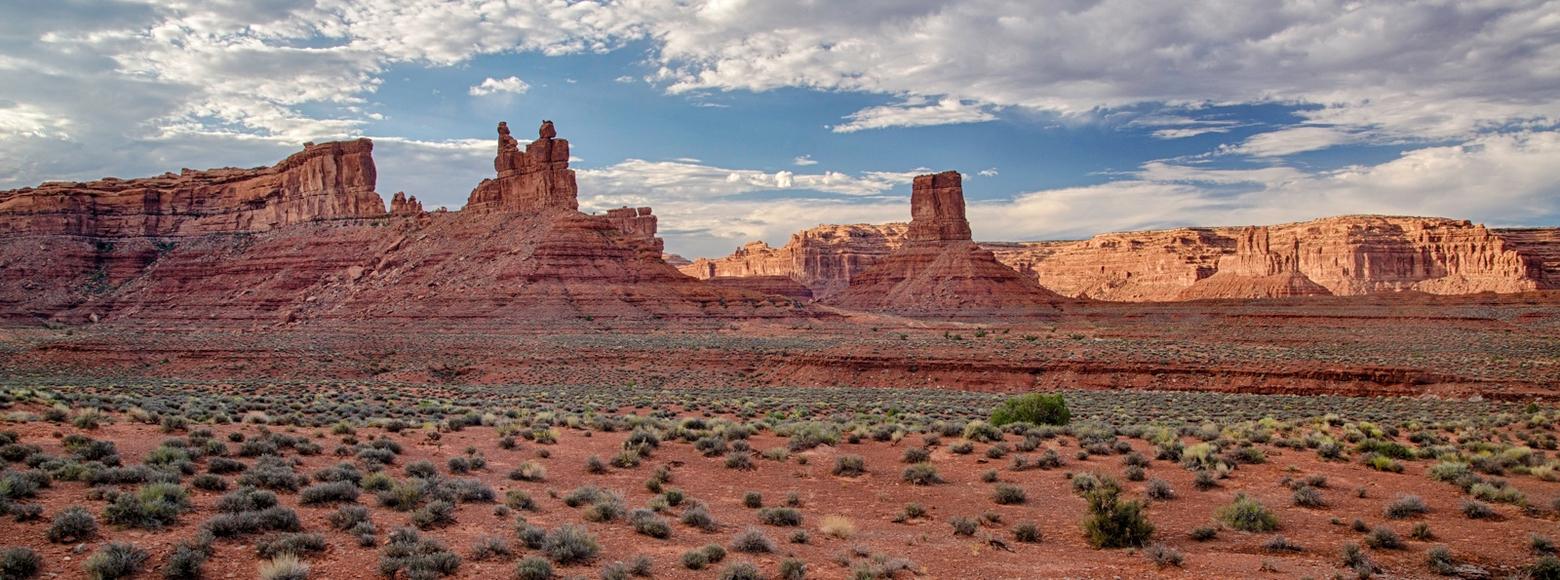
<point>739,120</point>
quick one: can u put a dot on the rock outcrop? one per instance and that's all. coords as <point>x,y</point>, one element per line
<point>525,258</point>
<point>324,181</point>
<point>822,259</point>
<point>401,205</point>
<point>939,271</point>
<point>537,179</point>
<point>1345,256</point>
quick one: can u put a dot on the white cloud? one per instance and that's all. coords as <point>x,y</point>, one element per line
<point>491,86</point>
<point>1293,140</point>
<point>914,112</point>
<point>987,172</point>
<point>804,160</point>
<point>692,179</point>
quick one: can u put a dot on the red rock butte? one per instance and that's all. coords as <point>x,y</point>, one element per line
<point>939,271</point>
<point>309,240</point>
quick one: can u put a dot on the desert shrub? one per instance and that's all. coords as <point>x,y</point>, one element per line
<point>1113,523</point>
<point>1449,471</point>
<point>792,569</point>
<point>647,523</point>
<point>284,567</point>
<point>152,506</point>
<point>1541,545</point>
<point>780,516</point>
<point>209,482</point>
<point>695,559</point>
<point>1488,491</point>
<point>921,474</point>
<point>335,491</point>
<point>752,500</point>
<point>436,513</point>
<point>739,460</point>
<point>570,544</point>
<point>1158,489</point>
<point>962,448</point>
<point>1028,533</point>
<point>348,516</point>
<point>533,568</point>
<point>1280,543</point>
<point>1036,408</point>
<point>1405,506</point>
<point>418,557</point>
<point>272,472</point>
<point>1477,510</point>
<point>752,541</point>
<point>19,563</point>
<point>1383,537</point>
<point>1439,560</point>
<point>1248,515</point>
<point>837,526</point>
<point>1204,533</point>
<point>1307,496</point>
<point>981,431</point>
<point>488,547</point>
<point>1164,556</point>
<point>1421,531</point>
<point>115,560</point>
<point>740,571</point>
<point>699,517</point>
<point>849,465</point>
<point>1009,494</point>
<point>187,562</point>
<point>1133,473</point>
<point>963,526</point>
<point>223,466</point>
<point>1355,558</point>
<point>519,500</point>
<point>297,544</point>
<point>71,525</point>
<point>529,471</point>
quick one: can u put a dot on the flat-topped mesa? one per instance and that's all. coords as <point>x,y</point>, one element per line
<point>535,180</point>
<point>324,181</point>
<point>937,208</point>
<point>401,205</point>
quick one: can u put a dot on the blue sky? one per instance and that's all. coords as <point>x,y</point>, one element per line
<point>741,120</point>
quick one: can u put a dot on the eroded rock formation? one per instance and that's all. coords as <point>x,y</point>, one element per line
<point>324,181</point>
<point>822,259</point>
<point>537,179</point>
<point>402,205</point>
<point>1345,255</point>
<point>938,270</point>
<point>522,257</point>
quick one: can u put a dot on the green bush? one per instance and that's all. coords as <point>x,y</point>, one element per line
<point>570,544</point>
<point>1247,515</point>
<point>1037,408</point>
<point>1113,523</point>
<point>115,560</point>
<point>74,524</point>
<point>533,568</point>
<point>19,563</point>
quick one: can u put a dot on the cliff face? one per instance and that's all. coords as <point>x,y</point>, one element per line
<point>823,259</point>
<point>325,181</point>
<point>538,179</point>
<point>1345,256</point>
<point>523,257</point>
<point>939,271</point>
<point>1126,267</point>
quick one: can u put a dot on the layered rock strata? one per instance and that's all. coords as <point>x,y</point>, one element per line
<point>939,270</point>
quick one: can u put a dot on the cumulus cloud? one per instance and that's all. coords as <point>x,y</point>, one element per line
<point>491,86</point>
<point>804,160</point>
